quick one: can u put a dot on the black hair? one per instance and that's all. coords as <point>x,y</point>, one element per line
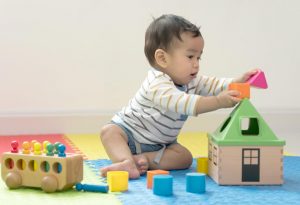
<point>162,31</point>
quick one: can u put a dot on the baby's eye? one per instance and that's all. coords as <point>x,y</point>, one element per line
<point>198,58</point>
<point>190,57</point>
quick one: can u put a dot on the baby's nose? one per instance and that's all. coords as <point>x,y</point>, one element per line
<point>196,63</point>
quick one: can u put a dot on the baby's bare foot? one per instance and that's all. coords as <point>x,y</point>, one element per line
<point>141,163</point>
<point>126,165</point>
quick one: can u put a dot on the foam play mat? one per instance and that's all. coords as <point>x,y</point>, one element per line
<point>288,193</point>
<point>90,146</point>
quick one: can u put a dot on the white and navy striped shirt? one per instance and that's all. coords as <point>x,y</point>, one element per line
<point>159,109</point>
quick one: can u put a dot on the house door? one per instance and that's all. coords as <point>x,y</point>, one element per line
<point>250,165</point>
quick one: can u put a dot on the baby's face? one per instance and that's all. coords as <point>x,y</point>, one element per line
<point>183,59</point>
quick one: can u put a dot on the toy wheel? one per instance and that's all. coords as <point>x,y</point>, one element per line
<point>13,180</point>
<point>49,184</point>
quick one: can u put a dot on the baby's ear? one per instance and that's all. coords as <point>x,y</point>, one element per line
<point>161,58</point>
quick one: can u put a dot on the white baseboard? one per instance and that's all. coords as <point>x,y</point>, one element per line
<point>280,122</point>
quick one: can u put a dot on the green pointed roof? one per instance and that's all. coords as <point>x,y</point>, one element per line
<point>233,132</point>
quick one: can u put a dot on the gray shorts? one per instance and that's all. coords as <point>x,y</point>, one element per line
<point>143,147</point>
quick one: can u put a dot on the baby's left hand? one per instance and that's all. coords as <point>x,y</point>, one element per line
<point>245,76</point>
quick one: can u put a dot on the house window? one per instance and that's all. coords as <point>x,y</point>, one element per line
<point>249,126</point>
<point>250,156</point>
<point>215,155</point>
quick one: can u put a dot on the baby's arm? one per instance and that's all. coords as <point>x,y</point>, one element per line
<point>245,76</point>
<point>222,99</point>
<point>225,99</point>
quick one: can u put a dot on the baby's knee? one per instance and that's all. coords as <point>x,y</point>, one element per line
<point>187,158</point>
<point>105,130</point>
<point>183,155</point>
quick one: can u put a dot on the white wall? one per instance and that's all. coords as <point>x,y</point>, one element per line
<point>66,57</point>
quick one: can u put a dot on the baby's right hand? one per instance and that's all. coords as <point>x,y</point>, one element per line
<point>228,98</point>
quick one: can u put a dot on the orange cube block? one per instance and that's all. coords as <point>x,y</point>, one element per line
<point>243,88</point>
<point>150,175</point>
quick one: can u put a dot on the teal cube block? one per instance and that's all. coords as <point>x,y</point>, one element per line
<point>163,185</point>
<point>195,182</point>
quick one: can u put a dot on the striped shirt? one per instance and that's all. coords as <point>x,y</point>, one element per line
<point>159,109</point>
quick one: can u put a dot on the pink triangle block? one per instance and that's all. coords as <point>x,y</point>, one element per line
<point>258,80</point>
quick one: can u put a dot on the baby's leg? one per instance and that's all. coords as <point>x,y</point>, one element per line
<point>175,156</point>
<point>115,141</point>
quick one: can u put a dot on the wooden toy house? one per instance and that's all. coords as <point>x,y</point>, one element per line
<point>244,150</point>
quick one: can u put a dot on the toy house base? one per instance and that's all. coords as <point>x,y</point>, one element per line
<point>247,166</point>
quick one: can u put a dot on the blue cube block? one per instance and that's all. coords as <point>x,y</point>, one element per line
<point>163,185</point>
<point>195,182</point>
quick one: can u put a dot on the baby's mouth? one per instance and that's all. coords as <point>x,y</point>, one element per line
<point>194,74</point>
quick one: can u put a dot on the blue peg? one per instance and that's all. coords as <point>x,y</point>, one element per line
<point>91,187</point>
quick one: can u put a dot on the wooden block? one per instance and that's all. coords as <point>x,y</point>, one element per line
<point>243,88</point>
<point>163,185</point>
<point>117,181</point>
<point>202,165</point>
<point>150,175</point>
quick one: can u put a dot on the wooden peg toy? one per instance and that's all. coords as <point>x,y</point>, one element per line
<point>45,143</point>
<point>50,173</point>
<point>14,147</point>
<point>61,150</point>
<point>56,144</point>
<point>32,145</point>
<point>50,150</point>
<point>26,147</point>
<point>37,148</point>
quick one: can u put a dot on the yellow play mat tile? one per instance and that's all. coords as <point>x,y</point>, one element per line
<point>196,142</point>
<point>91,146</point>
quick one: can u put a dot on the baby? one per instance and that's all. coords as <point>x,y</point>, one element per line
<point>143,135</point>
